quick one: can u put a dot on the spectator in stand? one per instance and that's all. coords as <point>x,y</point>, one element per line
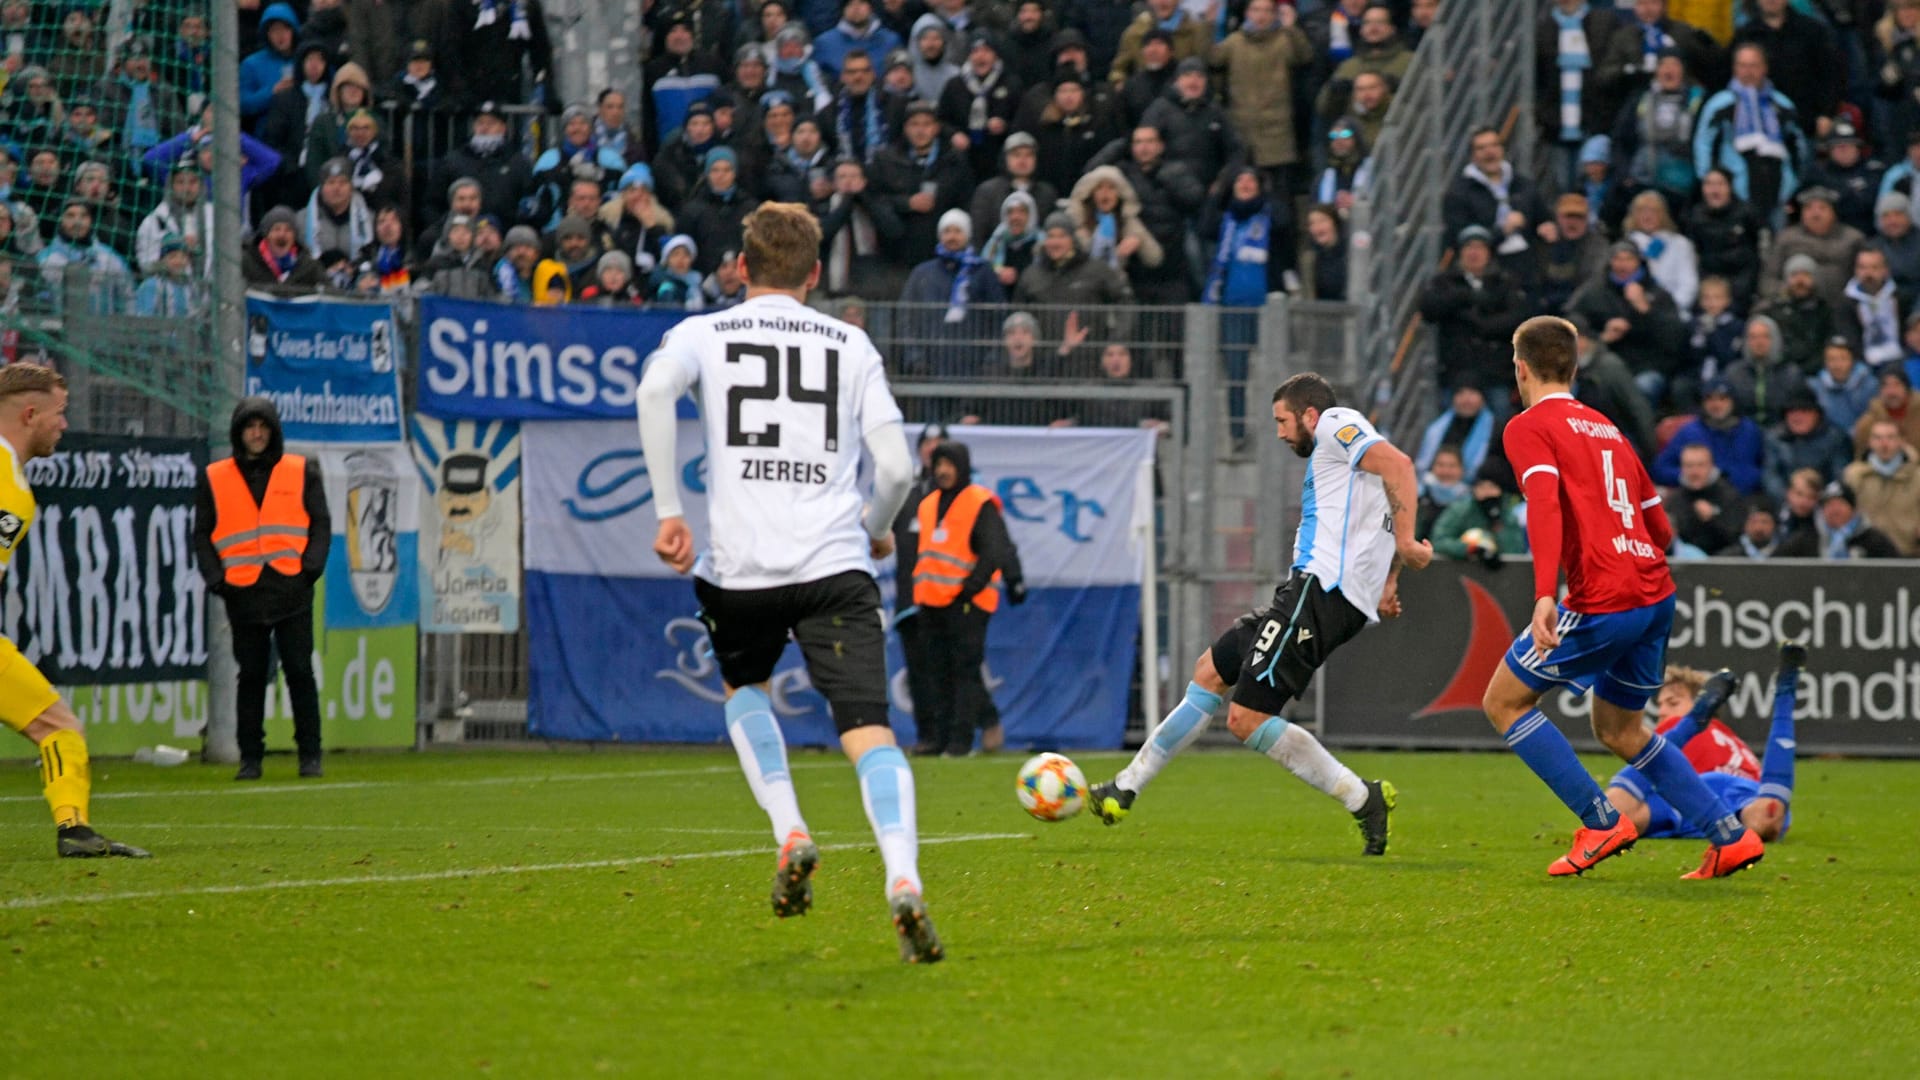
<point>794,70</point>
<point>858,233</point>
<point>613,285</point>
<point>1669,256</point>
<point>558,165</point>
<point>1367,109</point>
<point>1804,439</point>
<point>350,92</point>
<point>1900,178</point>
<point>503,53</point>
<point>1116,369</point>
<point>1737,443</point>
<point>1474,307</point>
<point>1011,248</point>
<point>1898,239</point>
<point>1488,509</point>
<point>770,17</point>
<point>611,128</point>
<point>1607,193</point>
<point>861,124</point>
<point>1635,47</point>
<point>1104,22</point>
<point>1636,318</point>
<point>858,28</point>
<point>924,178</point>
<point>1197,131</point>
<point>1155,75</point>
<point>77,246</point>
<point>1063,277</point>
<point>271,69</point>
<point>716,212</point>
<point>462,200</point>
<point>1258,64</point>
<point>1106,214</point>
<point>1820,236</point>
<point>1171,198</point>
<point>1804,319</point>
<point>1323,258</point>
<point>1070,50</point>
<point>751,77</point>
<point>458,268</point>
<point>504,174</point>
<point>45,189</point>
<point>1851,175</point>
<point>1844,386</point>
<point>1799,517</point>
<point>1716,337</point>
<point>1886,484</point>
<point>1466,428</point>
<point>36,116</point>
<point>1725,232</point>
<point>1349,170</point>
<point>1606,385</point>
<point>1753,132</point>
<point>1760,537</point>
<point>1653,137</point>
<point>289,120</point>
<point>951,297</point>
<point>389,255</point>
<point>978,105</point>
<point>1019,158</point>
<point>1019,359</point>
<point>801,170</point>
<point>513,274</point>
<point>1764,378</point>
<point>21,242</point>
<point>678,75</point>
<point>1894,402</point>
<point>93,185</point>
<point>1803,57</point>
<point>574,249</point>
<point>1068,133</point>
<point>1245,268</point>
<point>169,290</point>
<point>1707,513</point>
<point>1897,76</point>
<point>336,217</point>
<point>1489,194</point>
<point>551,285</point>
<point>1029,43</point>
<point>274,257</point>
<point>1845,533</point>
<point>137,107</point>
<point>1380,52</point>
<point>1575,254</point>
<point>1441,485</point>
<point>680,162</point>
<point>724,288</point>
<point>184,214</point>
<point>933,50</point>
<point>1190,37</point>
<point>1875,310</point>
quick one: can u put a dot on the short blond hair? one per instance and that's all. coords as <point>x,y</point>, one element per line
<point>26,378</point>
<point>781,242</point>
<point>1692,680</point>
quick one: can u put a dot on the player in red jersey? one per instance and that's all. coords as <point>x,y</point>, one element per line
<point>1593,511</point>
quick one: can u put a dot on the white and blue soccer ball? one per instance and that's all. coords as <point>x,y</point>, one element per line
<point>1051,787</point>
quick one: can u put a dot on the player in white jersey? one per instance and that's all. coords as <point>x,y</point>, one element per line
<point>789,398</point>
<point>1356,532</point>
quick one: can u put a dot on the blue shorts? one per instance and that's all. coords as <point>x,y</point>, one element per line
<point>1621,655</point>
<point>1665,823</point>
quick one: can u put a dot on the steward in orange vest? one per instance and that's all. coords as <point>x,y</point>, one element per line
<point>261,532</point>
<point>964,556</point>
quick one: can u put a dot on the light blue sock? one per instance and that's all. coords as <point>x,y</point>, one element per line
<point>1673,777</point>
<point>1776,761</point>
<point>1175,733</point>
<point>886,789</point>
<point>763,757</point>
<point>1551,757</point>
<point>1266,734</point>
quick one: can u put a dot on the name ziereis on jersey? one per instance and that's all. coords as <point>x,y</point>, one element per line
<point>781,469</point>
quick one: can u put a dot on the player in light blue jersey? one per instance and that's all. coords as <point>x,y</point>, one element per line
<point>1356,532</point>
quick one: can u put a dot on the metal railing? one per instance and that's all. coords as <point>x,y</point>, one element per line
<point>1473,68</point>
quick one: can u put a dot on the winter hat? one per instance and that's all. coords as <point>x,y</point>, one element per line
<point>279,215</point>
<point>615,260</point>
<point>1159,35</point>
<point>1623,247</point>
<point>572,226</point>
<point>459,221</point>
<point>1019,139</point>
<point>1818,194</point>
<point>793,31</point>
<point>1801,264</point>
<point>1720,387</point>
<point>1803,398</point>
<point>1060,219</point>
<point>774,98</point>
<point>981,39</point>
<point>1190,65</point>
<point>749,53</point>
<point>720,153</point>
<point>1598,148</point>
<point>637,174</point>
<point>337,166</point>
<point>1020,198</point>
<point>896,59</point>
<point>1838,490</point>
<point>1893,203</point>
<point>679,240</point>
<point>522,236</point>
<point>1021,319</point>
<point>957,218</point>
<point>1069,38</point>
<point>1844,132</point>
<point>1473,234</point>
<point>573,112</point>
<point>171,243</point>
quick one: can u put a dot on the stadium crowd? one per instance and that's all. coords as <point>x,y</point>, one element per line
<point>1723,203</point>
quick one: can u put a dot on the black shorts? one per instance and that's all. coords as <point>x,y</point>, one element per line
<point>836,620</point>
<point>1269,656</point>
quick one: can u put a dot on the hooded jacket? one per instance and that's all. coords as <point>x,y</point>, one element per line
<point>261,71</point>
<point>992,548</point>
<point>275,596</point>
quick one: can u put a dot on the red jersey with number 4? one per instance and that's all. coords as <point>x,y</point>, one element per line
<point>1562,448</point>
<point>1717,749</point>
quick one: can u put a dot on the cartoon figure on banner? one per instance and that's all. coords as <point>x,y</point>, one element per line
<point>463,498</point>
<point>373,553</point>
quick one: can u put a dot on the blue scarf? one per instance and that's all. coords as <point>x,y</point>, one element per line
<point>1838,539</point>
<point>1756,122</point>
<point>1575,57</point>
<point>1172,22</point>
<point>613,139</point>
<point>1639,274</point>
<point>143,126</point>
<point>875,126</point>
<point>316,101</point>
<point>964,264</point>
<point>517,30</point>
<point>1106,237</point>
<point>1245,243</point>
<point>389,260</point>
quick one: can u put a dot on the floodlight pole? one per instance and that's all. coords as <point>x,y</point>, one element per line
<point>229,334</point>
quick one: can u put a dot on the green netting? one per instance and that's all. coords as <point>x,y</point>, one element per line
<point>107,254</point>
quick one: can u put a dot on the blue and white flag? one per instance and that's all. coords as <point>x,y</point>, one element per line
<point>373,496</point>
<point>330,368</point>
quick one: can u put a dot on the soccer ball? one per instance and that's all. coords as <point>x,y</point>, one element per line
<point>1051,787</point>
<point>1480,542</point>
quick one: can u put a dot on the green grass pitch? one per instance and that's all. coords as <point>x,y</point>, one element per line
<point>575,914</point>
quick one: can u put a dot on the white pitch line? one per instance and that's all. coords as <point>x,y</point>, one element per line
<point>166,826</point>
<point>477,781</point>
<point>25,902</point>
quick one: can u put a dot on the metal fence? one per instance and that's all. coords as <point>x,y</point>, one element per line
<point>1473,68</point>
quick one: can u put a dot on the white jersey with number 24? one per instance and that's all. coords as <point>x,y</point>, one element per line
<point>786,396</point>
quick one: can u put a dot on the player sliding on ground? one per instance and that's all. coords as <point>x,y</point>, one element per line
<point>33,413</point>
<point>1592,508</point>
<point>1759,790</point>
<point>788,396</point>
<point>1356,531</point>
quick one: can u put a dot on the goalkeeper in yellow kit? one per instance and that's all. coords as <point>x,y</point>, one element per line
<point>33,414</point>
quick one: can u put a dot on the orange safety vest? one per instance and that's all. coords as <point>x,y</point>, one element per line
<point>272,533</point>
<point>946,550</point>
